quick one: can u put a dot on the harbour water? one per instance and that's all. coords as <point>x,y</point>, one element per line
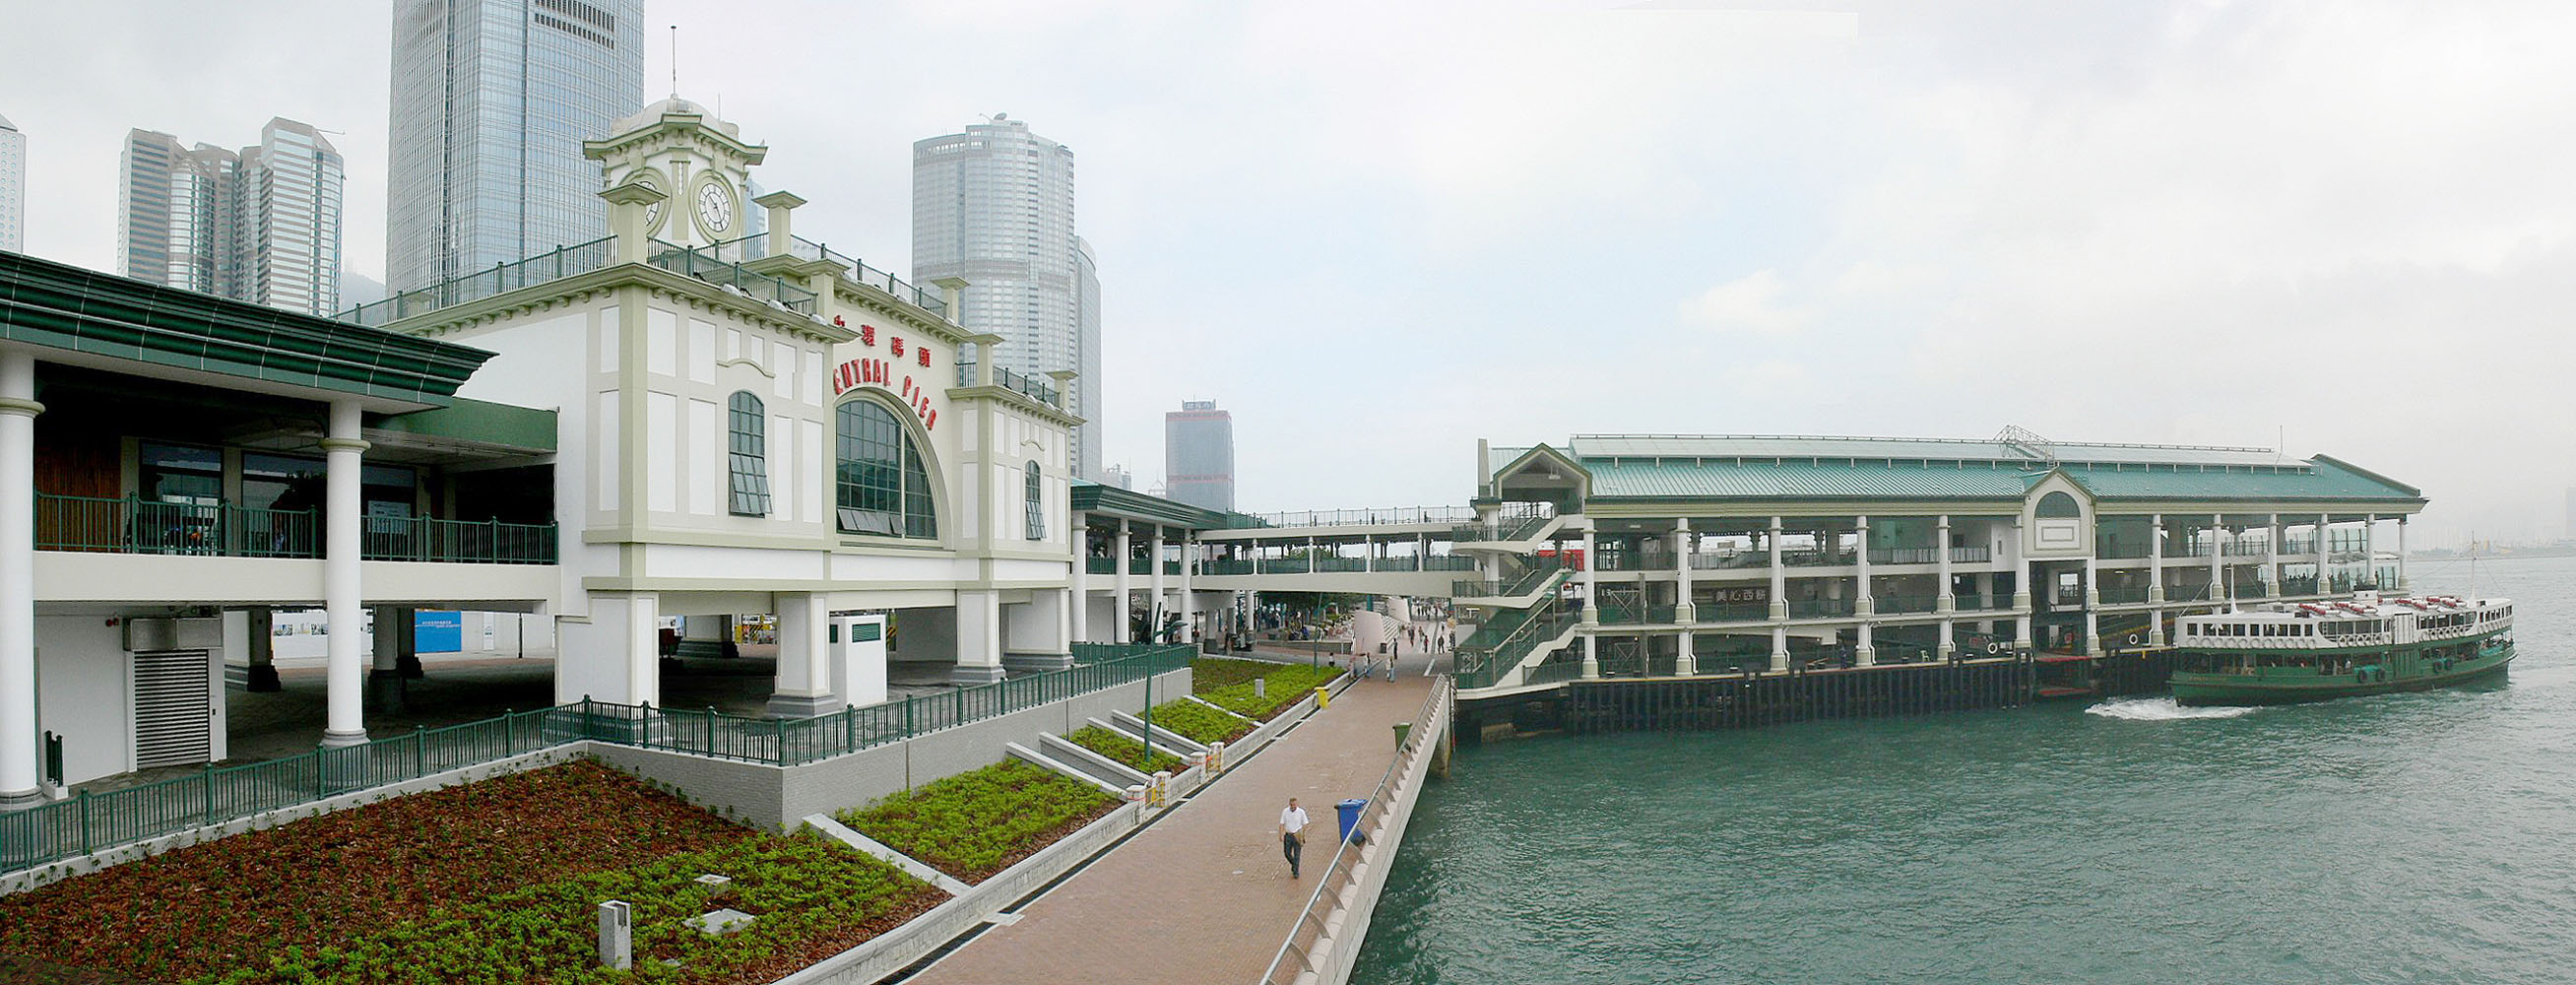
<point>2420,838</point>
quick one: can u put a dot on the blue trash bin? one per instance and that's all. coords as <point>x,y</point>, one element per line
<point>1350,811</point>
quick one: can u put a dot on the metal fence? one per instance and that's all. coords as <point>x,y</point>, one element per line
<point>563,261</point>
<point>218,794</point>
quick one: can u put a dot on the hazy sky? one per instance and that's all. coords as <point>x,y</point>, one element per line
<point>1378,231</point>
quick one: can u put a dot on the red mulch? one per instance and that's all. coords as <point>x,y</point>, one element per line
<point>231,902</point>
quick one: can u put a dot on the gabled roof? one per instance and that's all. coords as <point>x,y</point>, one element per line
<point>1092,497</point>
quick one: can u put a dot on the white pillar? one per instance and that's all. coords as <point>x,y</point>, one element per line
<point>1154,610</point>
<point>2021,575</point>
<point>2272,557</point>
<point>803,687</point>
<point>345,672</point>
<point>1081,614</point>
<point>1861,605</point>
<point>1779,648</point>
<point>1591,598</point>
<point>1189,605</point>
<point>2325,523</point>
<point>1779,593</point>
<point>2092,609</point>
<point>384,673</point>
<point>1944,600</point>
<point>979,638</point>
<point>1685,611</point>
<point>2217,558</point>
<point>18,410</point>
<point>1121,627</point>
<point>2370,550</point>
<point>2156,558</point>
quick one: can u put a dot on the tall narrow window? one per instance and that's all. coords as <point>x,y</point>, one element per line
<point>1033,500</point>
<point>748,454</point>
<point>881,485</point>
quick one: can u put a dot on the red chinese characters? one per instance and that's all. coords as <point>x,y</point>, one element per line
<point>896,346</point>
<point>868,335</point>
<point>924,352</point>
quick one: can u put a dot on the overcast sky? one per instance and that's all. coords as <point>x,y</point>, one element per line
<point>1376,232</point>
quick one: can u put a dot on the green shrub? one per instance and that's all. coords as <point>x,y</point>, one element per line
<point>1287,684</point>
<point>1210,673</point>
<point>977,823</point>
<point>1199,723</point>
<point>1119,747</point>
<point>813,897</point>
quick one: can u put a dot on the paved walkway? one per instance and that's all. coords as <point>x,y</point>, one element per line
<point>1202,896</point>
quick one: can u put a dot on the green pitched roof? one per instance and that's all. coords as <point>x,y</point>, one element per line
<point>57,306</point>
<point>2320,479</point>
<point>1092,497</point>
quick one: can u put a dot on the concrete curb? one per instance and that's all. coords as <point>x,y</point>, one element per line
<point>842,833</point>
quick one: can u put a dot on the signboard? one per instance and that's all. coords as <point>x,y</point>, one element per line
<point>437,631</point>
<point>881,373</point>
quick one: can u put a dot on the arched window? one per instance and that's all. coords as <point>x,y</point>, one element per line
<point>748,455</point>
<point>1033,501</point>
<point>2058,506</point>
<point>882,486</point>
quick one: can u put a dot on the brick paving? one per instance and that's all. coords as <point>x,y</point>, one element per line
<point>1202,895</point>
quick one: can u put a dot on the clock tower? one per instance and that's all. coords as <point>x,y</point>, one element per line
<point>699,163</point>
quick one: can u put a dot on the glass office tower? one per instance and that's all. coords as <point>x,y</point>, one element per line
<point>261,224</point>
<point>491,102</point>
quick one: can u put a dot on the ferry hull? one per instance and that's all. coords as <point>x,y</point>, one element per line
<point>2233,689</point>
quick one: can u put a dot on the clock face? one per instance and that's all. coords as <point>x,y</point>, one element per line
<point>653,212</point>
<point>715,208</point>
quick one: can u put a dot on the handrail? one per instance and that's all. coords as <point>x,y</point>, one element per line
<point>1347,853</point>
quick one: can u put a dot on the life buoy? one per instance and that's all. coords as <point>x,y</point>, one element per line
<point>1993,648</point>
<point>2133,639</point>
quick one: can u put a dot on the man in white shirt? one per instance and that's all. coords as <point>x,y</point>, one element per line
<point>1292,834</point>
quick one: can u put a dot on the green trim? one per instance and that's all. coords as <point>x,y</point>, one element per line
<point>57,306</point>
<point>478,422</point>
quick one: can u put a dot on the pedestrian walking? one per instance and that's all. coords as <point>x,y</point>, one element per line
<point>1292,834</point>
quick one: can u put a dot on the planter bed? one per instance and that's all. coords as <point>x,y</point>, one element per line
<point>1210,673</point>
<point>490,881</point>
<point>1199,723</point>
<point>978,823</point>
<point>1127,751</point>
<point>1288,684</point>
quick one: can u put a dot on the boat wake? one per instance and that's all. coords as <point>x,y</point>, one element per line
<point>2162,710</point>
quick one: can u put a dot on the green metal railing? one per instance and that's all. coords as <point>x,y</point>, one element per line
<point>2123,595</point>
<point>563,261</point>
<point>1735,612</point>
<point>137,526</point>
<point>90,822</point>
<point>1819,608</point>
<point>1028,386</point>
<point>1448,562</point>
<point>456,541</point>
<point>1230,566</point>
<point>707,263</point>
<point>1103,565</point>
<point>1903,604</point>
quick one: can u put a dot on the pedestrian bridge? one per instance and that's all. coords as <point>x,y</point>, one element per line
<point>1408,551</point>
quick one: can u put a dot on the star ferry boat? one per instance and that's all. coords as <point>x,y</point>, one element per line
<point>2284,653</point>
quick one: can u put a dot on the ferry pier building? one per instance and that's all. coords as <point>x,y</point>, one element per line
<point>1653,556</point>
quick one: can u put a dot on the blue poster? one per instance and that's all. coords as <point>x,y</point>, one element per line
<point>437,632</point>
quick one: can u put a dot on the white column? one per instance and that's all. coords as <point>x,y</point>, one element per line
<point>2272,558</point>
<point>2370,550</point>
<point>1861,604</point>
<point>1120,626</point>
<point>1189,605</point>
<point>1779,587</point>
<point>979,638</point>
<point>1591,607</point>
<point>1080,616</point>
<point>1779,648</point>
<point>2156,580</point>
<point>384,673</point>
<point>2325,523</point>
<point>1685,611</point>
<point>18,410</point>
<point>1944,600</point>
<point>803,687</point>
<point>2217,558</point>
<point>344,671</point>
<point>1154,609</point>
<point>2021,586</point>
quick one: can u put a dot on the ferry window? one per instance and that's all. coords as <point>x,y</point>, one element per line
<point>747,455</point>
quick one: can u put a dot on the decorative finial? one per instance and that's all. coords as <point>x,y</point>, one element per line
<point>675,61</point>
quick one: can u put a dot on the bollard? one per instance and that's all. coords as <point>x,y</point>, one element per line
<point>616,936</point>
<point>1135,793</point>
<point>1215,758</point>
<point>1162,796</point>
<point>1261,687</point>
<point>1323,696</point>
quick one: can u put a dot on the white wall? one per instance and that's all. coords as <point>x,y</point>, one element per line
<point>83,693</point>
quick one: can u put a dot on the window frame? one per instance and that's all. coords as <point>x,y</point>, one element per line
<point>1033,500</point>
<point>747,455</point>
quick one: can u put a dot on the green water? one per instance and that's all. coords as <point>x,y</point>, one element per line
<point>2422,838</point>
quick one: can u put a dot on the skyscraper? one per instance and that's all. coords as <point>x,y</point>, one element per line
<point>13,187</point>
<point>1198,455</point>
<point>261,224</point>
<point>491,102</point>
<point>994,205</point>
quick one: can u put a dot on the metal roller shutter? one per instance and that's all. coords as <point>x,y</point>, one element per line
<point>172,717</point>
